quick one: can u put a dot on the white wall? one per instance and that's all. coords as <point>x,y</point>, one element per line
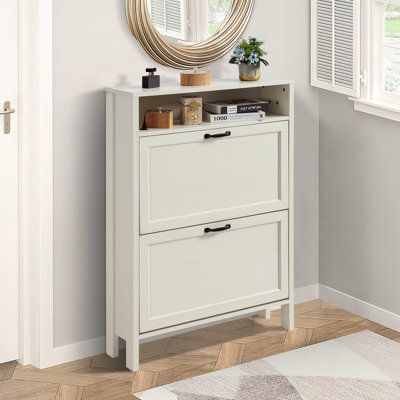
<point>93,48</point>
<point>359,203</point>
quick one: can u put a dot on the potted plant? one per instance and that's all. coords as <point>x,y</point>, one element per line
<point>248,55</point>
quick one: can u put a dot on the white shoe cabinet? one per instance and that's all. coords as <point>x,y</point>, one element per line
<point>199,218</point>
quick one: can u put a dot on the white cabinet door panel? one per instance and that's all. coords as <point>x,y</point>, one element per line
<point>187,179</point>
<point>187,274</point>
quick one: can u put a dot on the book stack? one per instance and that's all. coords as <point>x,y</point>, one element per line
<point>236,110</point>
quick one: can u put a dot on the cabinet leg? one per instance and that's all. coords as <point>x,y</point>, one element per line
<point>265,314</point>
<point>288,316</point>
<point>112,346</point>
<point>132,355</point>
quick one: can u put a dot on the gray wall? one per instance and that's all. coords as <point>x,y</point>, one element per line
<point>359,203</point>
<point>93,49</point>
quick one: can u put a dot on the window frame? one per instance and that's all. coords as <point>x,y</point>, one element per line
<point>373,99</point>
<point>195,30</point>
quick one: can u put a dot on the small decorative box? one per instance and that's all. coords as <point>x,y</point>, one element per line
<point>159,119</point>
<point>191,110</point>
<point>151,81</point>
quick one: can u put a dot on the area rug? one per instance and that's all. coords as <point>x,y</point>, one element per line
<point>363,366</point>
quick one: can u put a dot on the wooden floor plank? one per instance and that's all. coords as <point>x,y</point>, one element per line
<point>35,375</point>
<point>232,325</point>
<point>307,306</point>
<point>70,367</point>
<point>27,390</point>
<point>178,345</point>
<point>231,354</point>
<point>268,346</point>
<point>144,380</point>
<point>328,306</point>
<point>67,392</point>
<point>299,337</point>
<point>333,315</point>
<point>212,336</point>
<point>122,374</point>
<point>108,390</point>
<point>172,361</point>
<point>207,351</point>
<point>257,333</point>
<point>343,328</point>
<point>153,349</point>
<point>390,334</point>
<point>7,370</point>
<point>303,321</point>
<point>183,372</point>
<point>105,361</point>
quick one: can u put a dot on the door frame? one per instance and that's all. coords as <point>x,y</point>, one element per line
<point>36,181</point>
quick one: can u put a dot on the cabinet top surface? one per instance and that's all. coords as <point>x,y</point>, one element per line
<point>218,84</point>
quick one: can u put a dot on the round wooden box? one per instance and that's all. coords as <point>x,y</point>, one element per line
<point>196,78</point>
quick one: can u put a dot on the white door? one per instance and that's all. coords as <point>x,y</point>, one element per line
<point>9,285</point>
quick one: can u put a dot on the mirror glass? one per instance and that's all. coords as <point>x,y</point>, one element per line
<point>188,22</point>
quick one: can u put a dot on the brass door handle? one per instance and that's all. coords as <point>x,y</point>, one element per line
<point>7,110</point>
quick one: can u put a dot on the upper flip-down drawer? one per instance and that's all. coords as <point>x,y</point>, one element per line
<point>198,177</point>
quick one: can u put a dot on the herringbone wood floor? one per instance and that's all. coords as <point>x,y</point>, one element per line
<point>181,357</point>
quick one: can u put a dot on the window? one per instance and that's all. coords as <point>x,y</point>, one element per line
<point>386,51</point>
<point>217,10</point>
<point>356,51</point>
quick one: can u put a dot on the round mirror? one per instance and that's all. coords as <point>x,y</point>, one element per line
<point>188,22</point>
<point>185,34</point>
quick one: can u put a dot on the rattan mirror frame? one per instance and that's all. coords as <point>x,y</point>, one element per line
<point>187,57</point>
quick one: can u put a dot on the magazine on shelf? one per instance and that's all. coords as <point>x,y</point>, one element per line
<point>236,106</point>
<point>214,118</point>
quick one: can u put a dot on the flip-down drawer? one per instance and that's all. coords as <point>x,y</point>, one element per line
<point>197,177</point>
<point>194,273</point>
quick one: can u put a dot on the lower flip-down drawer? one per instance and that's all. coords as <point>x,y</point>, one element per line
<point>203,271</point>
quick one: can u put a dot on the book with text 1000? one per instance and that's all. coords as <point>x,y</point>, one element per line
<point>253,116</point>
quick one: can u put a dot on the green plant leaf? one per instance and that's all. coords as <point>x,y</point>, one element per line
<point>250,46</point>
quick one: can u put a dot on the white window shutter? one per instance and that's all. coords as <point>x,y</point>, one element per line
<point>157,12</point>
<point>168,17</point>
<point>335,46</point>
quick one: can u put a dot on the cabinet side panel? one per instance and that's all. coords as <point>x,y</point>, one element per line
<point>279,97</point>
<point>288,310</point>
<point>291,192</point>
<point>112,340</point>
<point>123,213</point>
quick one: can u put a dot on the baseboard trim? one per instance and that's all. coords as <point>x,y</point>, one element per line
<point>359,307</point>
<point>306,293</point>
<point>92,347</point>
<point>79,350</point>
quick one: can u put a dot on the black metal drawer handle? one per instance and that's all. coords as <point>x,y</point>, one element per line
<point>223,228</point>
<point>218,135</point>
